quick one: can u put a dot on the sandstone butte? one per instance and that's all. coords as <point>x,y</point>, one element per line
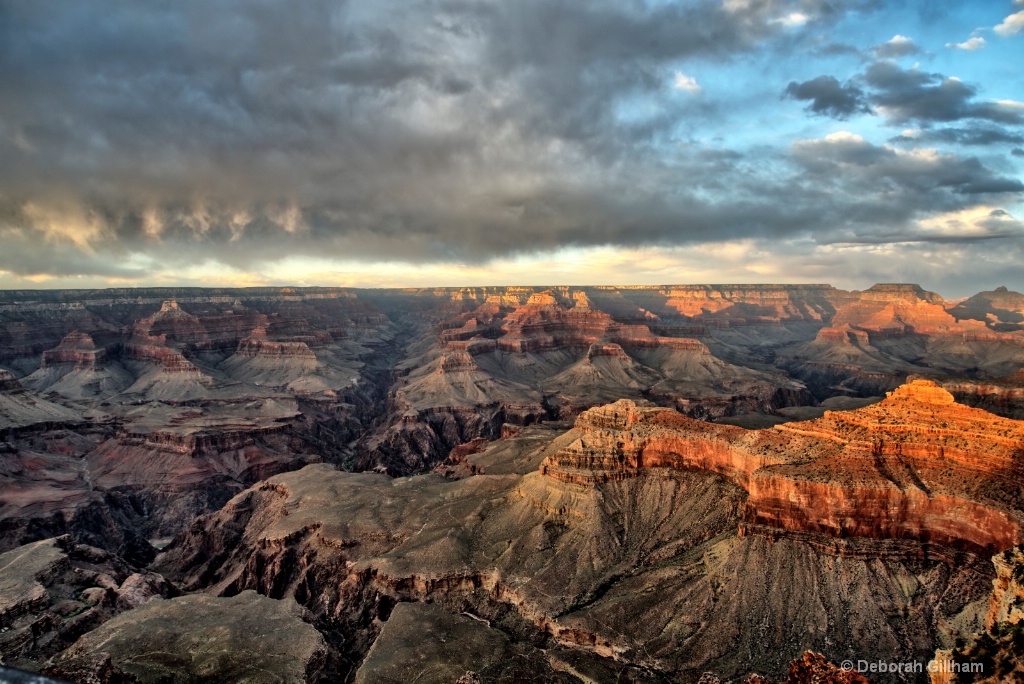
<point>915,466</point>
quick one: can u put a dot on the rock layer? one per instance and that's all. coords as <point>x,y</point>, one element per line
<point>915,466</point>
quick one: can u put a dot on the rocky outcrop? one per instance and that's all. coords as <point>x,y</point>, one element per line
<point>619,440</point>
<point>117,484</point>
<point>543,323</point>
<point>146,408</point>
<point>9,384</point>
<point>425,438</point>
<point>145,348</point>
<point>814,668</point>
<point>199,638</point>
<point>991,655</point>
<point>426,643</point>
<point>732,305</point>
<point>53,591</point>
<point>557,352</point>
<point>1006,607</point>
<point>78,350</point>
<point>878,336</point>
<point>915,466</point>
<point>456,361</point>
<point>258,346</point>
<point>20,408</point>
<point>843,335</point>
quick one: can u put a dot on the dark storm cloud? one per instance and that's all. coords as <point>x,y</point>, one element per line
<point>874,193</point>
<point>857,164</point>
<point>430,130</point>
<point>828,97</point>
<point>906,95</point>
<point>436,130</point>
<point>22,254</point>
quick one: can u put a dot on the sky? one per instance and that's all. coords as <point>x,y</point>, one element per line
<point>407,143</point>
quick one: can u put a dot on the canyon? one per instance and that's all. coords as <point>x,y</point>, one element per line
<point>569,483</point>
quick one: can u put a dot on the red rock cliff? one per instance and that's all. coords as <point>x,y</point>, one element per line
<point>915,466</point>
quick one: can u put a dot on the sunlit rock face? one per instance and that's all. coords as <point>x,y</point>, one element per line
<point>914,466</point>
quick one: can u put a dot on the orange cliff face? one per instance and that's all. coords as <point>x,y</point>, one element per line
<point>915,466</point>
<point>619,440</point>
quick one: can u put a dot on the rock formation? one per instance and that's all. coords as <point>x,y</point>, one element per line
<point>78,350</point>
<point>993,654</point>
<point>424,643</point>
<point>53,591</point>
<point>164,404</point>
<point>198,638</point>
<point>20,408</point>
<point>914,466</point>
<point>551,354</point>
<point>709,351</point>
<point>1001,309</point>
<point>1003,396</point>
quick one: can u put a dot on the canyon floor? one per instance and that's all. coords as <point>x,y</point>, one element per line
<point>649,484</point>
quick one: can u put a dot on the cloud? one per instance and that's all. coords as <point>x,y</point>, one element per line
<point>1011,26</point>
<point>836,50</point>
<point>435,134</point>
<point>980,134</point>
<point>978,223</point>
<point>24,255</point>
<point>975,223</point>
<point>911,96</point>
<point>687,83</point>
<point>919,169</point>
<point>904,95</point>
<point>426,130</point>
<point>794,19</point>
<point>829,98</point>
<point>878,193</point>
<point>897,46</point>
<point>971,44</point>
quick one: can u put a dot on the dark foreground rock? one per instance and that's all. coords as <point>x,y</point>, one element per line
<point>53,591</point>
<point>245,638</point>
<point>424,643</point>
